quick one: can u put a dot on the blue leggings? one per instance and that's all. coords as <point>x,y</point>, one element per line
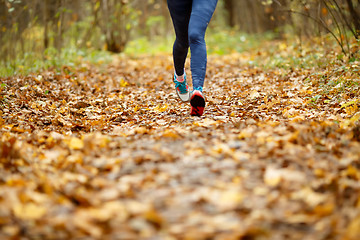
<point>190,19</point>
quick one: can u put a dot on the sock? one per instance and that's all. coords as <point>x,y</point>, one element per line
<point>180,78</point>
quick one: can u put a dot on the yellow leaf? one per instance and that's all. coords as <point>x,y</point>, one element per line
<point>141,130</point>
<point>352,172</point>
<point>206,123</point>
<point>299,118</point>
<point>153,217</point>
<point>161,108</point>
<point>33,105</point>
<point>324,209</point>
<point>355,118</point>
<point>29,211</point>
<point>282,46</point>
<point>350,103</point>
<point>254,94</point>
<point>136,108</point>
<point>230,199</point>
<point>11,230</point>
<point>82,220</point>
<point>353,230</point>
<point>272,177</point>
<point>311,198</point>
<point>352,109</point>
<point>123,83</point>
<point>319,172</point>
<point>170,134</point>
<point>76,143</point>
<point>245,133</point>
<point>290,113</point>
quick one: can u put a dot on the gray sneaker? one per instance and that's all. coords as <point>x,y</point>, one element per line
<point>182,89</point>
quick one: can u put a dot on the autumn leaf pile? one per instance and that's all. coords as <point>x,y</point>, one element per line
<point>111,153</point>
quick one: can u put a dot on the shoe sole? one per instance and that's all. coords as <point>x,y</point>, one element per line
<point>197,103</point>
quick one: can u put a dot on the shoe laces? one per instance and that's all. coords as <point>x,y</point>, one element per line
<point>181,86</point>
<point>200,89</point>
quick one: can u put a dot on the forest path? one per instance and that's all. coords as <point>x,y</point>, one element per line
<point>111,153</point>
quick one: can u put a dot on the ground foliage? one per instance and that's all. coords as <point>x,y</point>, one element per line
<point>111,153</point>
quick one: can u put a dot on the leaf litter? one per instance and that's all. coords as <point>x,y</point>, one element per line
<point>111,153</point>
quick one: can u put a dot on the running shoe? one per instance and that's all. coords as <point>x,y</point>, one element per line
<point>197,103</point>
<point>182,89</point>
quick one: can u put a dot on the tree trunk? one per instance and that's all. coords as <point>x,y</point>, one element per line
<point>46,25</point>
<point>229,7</point>
<point>355,17</point>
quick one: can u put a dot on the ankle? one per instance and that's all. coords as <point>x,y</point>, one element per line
<point>199,89</point>
<point>180,78</point>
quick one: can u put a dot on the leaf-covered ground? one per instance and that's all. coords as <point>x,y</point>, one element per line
<point>111,153</point>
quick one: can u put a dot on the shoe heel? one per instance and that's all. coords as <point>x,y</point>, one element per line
<point>197,103</point>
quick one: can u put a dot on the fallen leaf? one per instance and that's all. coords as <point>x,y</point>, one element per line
<point>29,211</point>
<point>76,143</point>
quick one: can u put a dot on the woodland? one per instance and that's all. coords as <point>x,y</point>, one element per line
<point>95,144</point>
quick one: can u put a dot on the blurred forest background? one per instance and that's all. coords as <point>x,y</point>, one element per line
<point>34,32</point>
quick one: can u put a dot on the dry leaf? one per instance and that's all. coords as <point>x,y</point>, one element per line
<point>76,143</point>
<point>29,211</point>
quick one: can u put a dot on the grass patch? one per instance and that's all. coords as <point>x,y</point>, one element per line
<point>51,58</point>
<point>155,46</point>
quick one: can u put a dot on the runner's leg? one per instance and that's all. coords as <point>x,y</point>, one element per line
<point>201,14</point>
<point>180,11</point>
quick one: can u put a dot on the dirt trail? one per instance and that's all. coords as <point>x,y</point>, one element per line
<point>111,153</point>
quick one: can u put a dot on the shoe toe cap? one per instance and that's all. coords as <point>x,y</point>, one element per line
<point>184,96</point>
